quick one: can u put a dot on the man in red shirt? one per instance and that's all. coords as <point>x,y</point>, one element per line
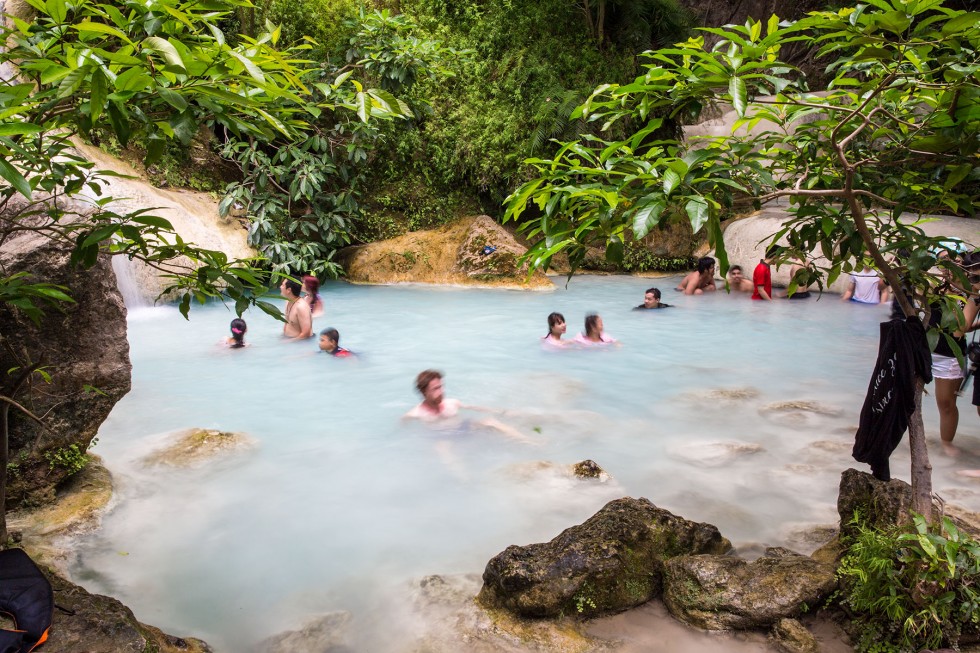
<point>762,277</point>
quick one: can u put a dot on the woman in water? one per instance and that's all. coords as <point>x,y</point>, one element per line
<point>556,329</point>
<point>238,329</point>
<point>593,332</point>
<point>312,287</point>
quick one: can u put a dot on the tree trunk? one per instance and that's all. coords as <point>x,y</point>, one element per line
<point>921,468</point>
<point>4,457</point>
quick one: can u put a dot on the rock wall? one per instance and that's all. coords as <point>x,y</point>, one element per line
<point>84,351</point>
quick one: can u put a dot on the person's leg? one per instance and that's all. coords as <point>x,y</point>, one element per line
<point>949,416</point>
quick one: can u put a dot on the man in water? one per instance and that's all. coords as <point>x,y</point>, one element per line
<point>651,300</point>
<point>299,320</point>
<point>702,280</point>
<point>762,277</point>
<point>330,344</point>
<point>737,281</point>
<point>437,408</point>
<point>867,287</point>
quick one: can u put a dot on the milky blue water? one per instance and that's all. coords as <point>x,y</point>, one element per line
<point>340,504</point>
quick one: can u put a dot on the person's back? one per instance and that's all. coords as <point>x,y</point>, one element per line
<point>866,287</point>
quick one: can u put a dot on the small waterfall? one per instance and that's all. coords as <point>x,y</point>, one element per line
<point>127,283</point>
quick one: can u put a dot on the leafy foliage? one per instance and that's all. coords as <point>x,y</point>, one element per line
<point>911,591</point>
<point>896,131</point>
<point>300,190</point>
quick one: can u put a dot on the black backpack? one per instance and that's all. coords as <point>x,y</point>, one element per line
<point>25,595</point>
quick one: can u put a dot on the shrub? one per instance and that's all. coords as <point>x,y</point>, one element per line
<point>907,591</point>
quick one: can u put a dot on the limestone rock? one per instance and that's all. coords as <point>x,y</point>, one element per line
<point>802,406</point>
<point>790,636</point>
<point>77,509</point>
<point>880,504</point>
<point>194,447</point>
<point>611,562</point>
<point>101,623</point>
<point>324,634</point>
<point>726,593</point>
<point>457,253</point>
<point>82,348</point>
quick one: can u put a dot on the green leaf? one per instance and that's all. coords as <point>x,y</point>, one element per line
<point>173,98</point>
<point>739,93</point>
<point>19,128</point>
<point>57,9</point>
<point>956,175</point>
<point>697,211</point>
<point>961,23</point>
<point>647,217</point>
<point>98,94</point>
<point>88,27</point>
<point>671,180</point>
<point>250,66</point>
<point>164,48</point>
<point>10,174</point>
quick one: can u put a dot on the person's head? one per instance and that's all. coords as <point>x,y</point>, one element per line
<point>771,252</point>
<point>238,329</point>
<point>556,325</point>
<point>735,273</point>
<point>651,297</point>
<point>705,264</point>
<point>593,325</point>
<point>290,289</point>
<point>429,385</point>
<point>329,339</point>
<point>312,286</point>
<point>971,263</point>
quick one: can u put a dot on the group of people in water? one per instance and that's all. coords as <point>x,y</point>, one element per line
<point>303,303</point>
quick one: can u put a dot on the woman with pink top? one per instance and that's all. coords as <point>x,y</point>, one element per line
<point>593,332</point>
<point>556,329</point>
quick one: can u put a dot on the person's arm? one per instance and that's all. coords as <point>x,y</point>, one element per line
<point>763,293</point>
<point>849,292</point>
<point>304,320</point>
<point>690,283</point>
<point>970,312</point>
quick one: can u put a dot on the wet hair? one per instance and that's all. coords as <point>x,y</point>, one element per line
<point>772,250</point>
<point>312,286</point>
<point>705,263</point>
<point>332,334</point>
<point>238,329</point>
<point>554,319</point>
<point>424,378</point>
<point>653,291</point>
<point>294,287</point>
<point>592,324</point>
<point>734,268</point>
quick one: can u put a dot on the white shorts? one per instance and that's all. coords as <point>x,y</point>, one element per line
<point>946,367</point>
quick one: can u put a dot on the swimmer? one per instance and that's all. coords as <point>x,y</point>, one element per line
<point>238,329</point>
<point>800,271</point>
<point>330,344</point>
<point>702,280</point>
<point>737,281</point>
<point>437,408</point>
<point>556,329</point>
<point>594,334</point>
<point>651,300</point>
<point>311,285</point>
<point>866,287</point>
<point>299,322</point>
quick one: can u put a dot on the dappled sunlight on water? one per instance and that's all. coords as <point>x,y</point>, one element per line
<point>341,503</point>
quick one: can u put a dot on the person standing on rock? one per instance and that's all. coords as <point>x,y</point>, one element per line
<point>299,321</point>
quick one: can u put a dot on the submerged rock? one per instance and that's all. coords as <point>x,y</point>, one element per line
<point>589,469</point>
<point>324,634</point>
<point>611,562</point>
<point>713,454</point>
<point>801,407</point>
<point>470,251</point>
<point>195,447</point>
<point>725,593</point>
<point>450,621</point>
